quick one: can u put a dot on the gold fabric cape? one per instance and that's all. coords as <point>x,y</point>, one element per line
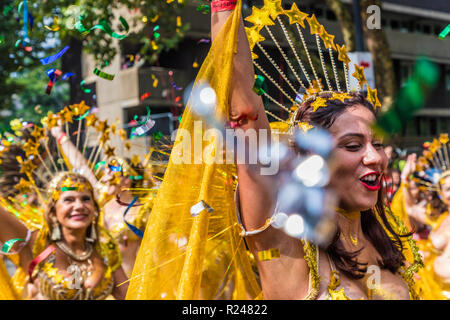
<point>202,257</point>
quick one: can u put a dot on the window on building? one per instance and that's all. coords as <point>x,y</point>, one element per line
<point>406,70</point>
<point>427,29</point>
<point>395,25</point>
<point>447,78</point>
<point>330,15</point>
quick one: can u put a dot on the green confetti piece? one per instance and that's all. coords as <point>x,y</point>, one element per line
<point>103,74</point>
<point>444,32</point>
<point>85,90</point>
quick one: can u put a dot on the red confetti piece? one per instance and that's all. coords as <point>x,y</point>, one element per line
<point>145,96</point>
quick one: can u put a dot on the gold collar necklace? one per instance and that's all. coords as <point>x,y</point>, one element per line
<point>78,257</point>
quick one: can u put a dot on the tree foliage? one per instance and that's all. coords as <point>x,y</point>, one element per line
<point>54,28</point>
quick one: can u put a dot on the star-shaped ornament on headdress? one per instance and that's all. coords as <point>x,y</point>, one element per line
<point>305,126</point>
<point>428,154</point>
<point>296,16</point>
<point>340,96</point>
<point>51,120</point>
<point>443,138</point>
<point>37,133</point>
<point>91,120</point>
<point>79,109</point>
<point>135,160</point>
<point>372,96</point>
<point>109,152</point>
<point>359,75</point>
<point>260,17</point>
<point>253,36</point>
<point>102,126</point>
<point>104,138</point>
<point>314,25</point>
<point>127,145</point>
<point>315,88</point>
<point>27,167</point>
<point>122,134</point>
<point>343,56</point>
<point>30,148</point>
<point>434,146</point>
<point>274,8</point>
<point>328,39</point>
<point>319,103</point>
<point>66,115</point>
<point>113,128</point>
<point>24,186</point>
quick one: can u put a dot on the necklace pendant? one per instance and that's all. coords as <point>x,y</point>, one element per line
<point>354,240</point>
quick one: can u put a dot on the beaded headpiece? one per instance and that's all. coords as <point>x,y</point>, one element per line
<point>298,85</point>
<point>433,165</point>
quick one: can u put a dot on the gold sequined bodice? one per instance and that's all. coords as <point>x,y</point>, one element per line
<point>55,286</point>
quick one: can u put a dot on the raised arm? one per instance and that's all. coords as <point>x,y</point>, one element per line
<point>13,228</point>
<point>287,276</point>
<point>74,155</point>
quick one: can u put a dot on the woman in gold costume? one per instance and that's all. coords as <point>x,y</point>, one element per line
<point>430,173</point>
<point>194,237</point>
<point>71,256</point>
<point>367,235</point>
<point>114,188</point>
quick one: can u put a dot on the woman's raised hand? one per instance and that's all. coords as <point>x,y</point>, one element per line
<point>409,167</point>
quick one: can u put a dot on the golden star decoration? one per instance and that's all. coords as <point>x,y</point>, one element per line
<point>104,138</point>
<point>102,126</point>
<point>260,17</point>
<point>435,145</point>
<point>328,39</point>
<point>30,148</point>
<point>318,103</point>
<point>113,128</point>
<point>135,160</point>
<point>24,186</point>
<point>359,75</point>
<point>372,96</point>
<point>274,8</point>
<point>315,26</point>
<point>37,133</point>
<point>66,115</point>
<point>51,120</point>
<point>109,152</point>
<point>122,134</point>
<point>296,16</point>
<point>340,96</point>
<point>305,126</point>
<point>91,120</point>
<point>315,88</point>
<point>428,154</point>
<point>27,167</point>
<point>343,56</point>
<point>443,138</point>
<point>253,36</point>
<point>80,108</point>
<point>127,145</point>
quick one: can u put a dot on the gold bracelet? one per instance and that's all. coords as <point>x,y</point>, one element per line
<point>246,233</point>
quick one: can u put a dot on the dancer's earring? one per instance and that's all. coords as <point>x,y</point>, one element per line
<point>56,231</point>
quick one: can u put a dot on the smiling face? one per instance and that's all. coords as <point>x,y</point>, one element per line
<point>359,159</point>
<point>74,210</point>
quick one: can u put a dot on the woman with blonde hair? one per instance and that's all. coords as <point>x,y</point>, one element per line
<point>70,256</point>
